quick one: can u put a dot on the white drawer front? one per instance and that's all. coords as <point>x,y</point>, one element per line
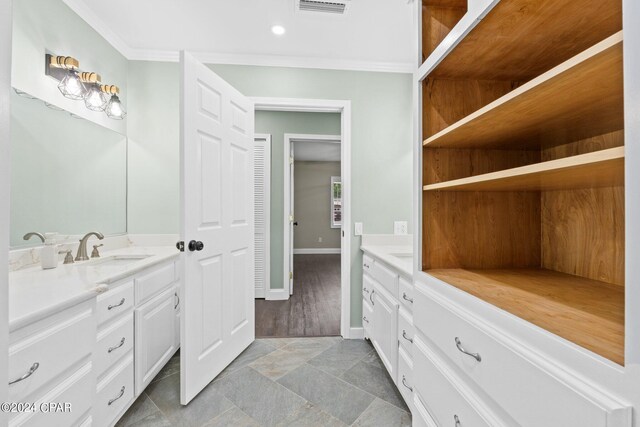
<point>113,343</point>
<point>405,330</point>
<point>115,302</point>
<point>405,294</point>
<point>386,277</point>
<point>114,393</point>
<point>405,377</point>
<point>367,318</point>
<point>529,393</point>
<point>444,395</point>
<point>421,417</point>
<point>49,352</point>
<point>153,282</point>
<point>367,264</point>
<point>76,390</point>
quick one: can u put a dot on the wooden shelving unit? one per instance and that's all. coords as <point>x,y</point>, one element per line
<point>523,165</point>
<point>604,168</point>
<point>587,312</point>
<point>557,102</point>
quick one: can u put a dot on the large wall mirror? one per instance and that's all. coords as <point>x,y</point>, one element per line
<point>69,175</point>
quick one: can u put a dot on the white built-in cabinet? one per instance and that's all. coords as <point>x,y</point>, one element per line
<point>98,355</point>
<point>387,319</point>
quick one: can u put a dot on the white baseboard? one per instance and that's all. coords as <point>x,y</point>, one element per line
<point>314,251</point>
<point>277,294</point>
<point>356,333</point>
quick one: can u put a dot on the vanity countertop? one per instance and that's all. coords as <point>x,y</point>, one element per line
<point>395,250</point>
<point>35,293</point>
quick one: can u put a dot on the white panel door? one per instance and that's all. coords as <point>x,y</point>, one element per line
<point>217,225</point>
<point>292,215</point>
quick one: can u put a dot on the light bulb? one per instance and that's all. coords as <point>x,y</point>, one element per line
<point>71,86</point>
<point>278,30</point>
<point>114,108</point>
<point>95,99</point>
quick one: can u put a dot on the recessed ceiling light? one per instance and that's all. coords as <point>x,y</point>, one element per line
<point>278,30</point>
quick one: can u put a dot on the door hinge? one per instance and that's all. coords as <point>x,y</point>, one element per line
<point>290,275</point>
<point>290,160</point>
<point>290,218</point>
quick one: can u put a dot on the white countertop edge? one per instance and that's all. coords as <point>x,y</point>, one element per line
<point>138,267</point>
<point>384,253</point>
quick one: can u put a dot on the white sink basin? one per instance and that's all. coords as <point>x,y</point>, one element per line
<point>115,261</point>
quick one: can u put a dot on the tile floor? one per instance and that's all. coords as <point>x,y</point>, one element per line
<point>304,382</point>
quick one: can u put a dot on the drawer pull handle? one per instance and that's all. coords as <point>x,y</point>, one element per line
<point>116,347</point>
<point>178,302</point>
<point>461,348</point>
<point>117,305</point>
<point>457,420</point>
<point>404,335</point>
<point>406,298</point>
<point>117,397</point>
<point>365,319</point>
<point>365,289</point>
<point>366,266</point>
<point>30,372</point>
<point>371,297</point>
<point>404,383</point>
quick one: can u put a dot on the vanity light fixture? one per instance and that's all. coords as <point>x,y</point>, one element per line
<point>65,69</point>
<point>94,99</point>
<point>114,107</point>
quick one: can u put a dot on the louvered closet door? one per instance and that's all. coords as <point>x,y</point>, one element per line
<point>262,176</point>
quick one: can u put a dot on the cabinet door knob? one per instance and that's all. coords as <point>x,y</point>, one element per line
<point>462,350</point>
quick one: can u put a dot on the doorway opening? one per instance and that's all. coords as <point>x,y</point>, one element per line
<point>307,291</point>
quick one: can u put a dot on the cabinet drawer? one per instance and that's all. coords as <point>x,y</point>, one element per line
<point>367,318</point>
<point>367,263</point>
<point>114,393</point>
<point>75,390</point>
<point>51,351</point>
<point>405,293</point>
<point>405,377</point>
<point>405,330</point>
<point>385,330</point>
<point>386,277</point>
<point>421,417</point>
<point>115,302</point>
<point>444,395</point>
<point>153,282</point>
<point>530,394</point>
<point>113,343</point>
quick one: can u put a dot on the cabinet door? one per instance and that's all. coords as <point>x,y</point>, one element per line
<point>155,341</point>
<point>385,332</point>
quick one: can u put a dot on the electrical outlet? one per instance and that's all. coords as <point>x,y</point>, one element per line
<point>319,239</point>
<point>400,227</point>
<point>357,229</point>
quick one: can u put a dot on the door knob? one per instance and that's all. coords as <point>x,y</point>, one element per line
<point>196,246</point>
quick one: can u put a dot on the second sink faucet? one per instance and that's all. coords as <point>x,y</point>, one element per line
<point>82,249</point>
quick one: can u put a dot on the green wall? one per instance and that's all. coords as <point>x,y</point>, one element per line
<point>277,124</point>
<point>381,151</point>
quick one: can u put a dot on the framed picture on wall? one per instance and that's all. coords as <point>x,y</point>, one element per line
<point>336,202</point>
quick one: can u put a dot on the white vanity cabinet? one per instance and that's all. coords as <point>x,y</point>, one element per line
<point>50,361</point>
<point>387,307</point>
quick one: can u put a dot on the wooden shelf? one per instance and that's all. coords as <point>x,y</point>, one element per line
<point>521,39</point>
<point>580,98</point>
<point>604,168</point>
<point>587,312</point>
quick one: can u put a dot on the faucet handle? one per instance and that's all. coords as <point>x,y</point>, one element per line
<point>68,259</point>
<point>94,252</point>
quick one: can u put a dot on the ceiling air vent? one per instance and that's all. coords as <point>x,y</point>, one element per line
<point>338,7</point>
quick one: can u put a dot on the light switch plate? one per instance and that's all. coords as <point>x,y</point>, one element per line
<point>357,229</point>
<point>399,227</point>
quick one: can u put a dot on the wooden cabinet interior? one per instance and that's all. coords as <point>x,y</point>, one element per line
<point>523,165</point>
<point>438,18</point>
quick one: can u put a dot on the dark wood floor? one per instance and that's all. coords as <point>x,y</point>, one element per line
<point>314,307</point>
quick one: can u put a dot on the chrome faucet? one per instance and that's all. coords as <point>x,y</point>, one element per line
<point>33,233</point>
<point>82,249</point>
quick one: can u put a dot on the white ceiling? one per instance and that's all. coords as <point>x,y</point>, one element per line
<point>316,151</point>
<point>373,35</point>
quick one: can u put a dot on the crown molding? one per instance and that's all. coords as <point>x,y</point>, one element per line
<point>134,54</point>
